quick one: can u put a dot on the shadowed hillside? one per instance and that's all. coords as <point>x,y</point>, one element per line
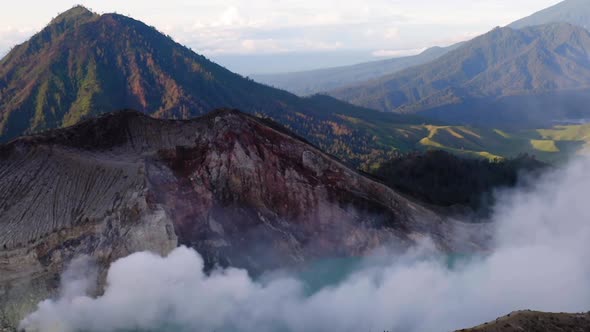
<point>532,321</point>
<point>317,81</point>
<point>442,179</point>
<point>506,77</point>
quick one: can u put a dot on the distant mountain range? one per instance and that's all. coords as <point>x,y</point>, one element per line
<point>508,77</point>
<point>316,81</point>
<point>83,64</point>
<point>444,96</point>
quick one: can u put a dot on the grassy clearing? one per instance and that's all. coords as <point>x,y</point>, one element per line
<point>551,145</point>
<point>544,145</point>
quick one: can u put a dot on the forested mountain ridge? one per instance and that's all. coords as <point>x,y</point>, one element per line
<point>575,12</point>
<point>505,77</point>
<point>322,80</point>
<point>83,64</point>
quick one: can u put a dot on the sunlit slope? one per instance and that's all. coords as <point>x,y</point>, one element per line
<point>85,64</point>
<point>551,145</point>
<point>571,138</point>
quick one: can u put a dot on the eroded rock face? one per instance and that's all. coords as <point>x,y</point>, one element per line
<point>241,191</point>
<point>536,321</point>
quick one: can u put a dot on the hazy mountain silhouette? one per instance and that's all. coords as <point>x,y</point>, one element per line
<point>576,12</point>
<point>532,75</point>
<point>315,81</point>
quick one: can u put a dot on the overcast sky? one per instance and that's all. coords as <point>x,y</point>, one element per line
<point>254,27</point>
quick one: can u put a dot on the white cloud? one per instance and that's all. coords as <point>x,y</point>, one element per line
<point>225,25</point>
<point>11,36</point>
<point>375,24</point>
<point>294,26</point>
<point>260,46</point>
<point>231,16</point>
<point>391,33</point>
<point>397,53</point>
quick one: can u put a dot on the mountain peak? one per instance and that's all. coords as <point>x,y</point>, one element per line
<point>75,14</point>
<point>507,69</point>
<point>576,12</point>
<point>85,64</point>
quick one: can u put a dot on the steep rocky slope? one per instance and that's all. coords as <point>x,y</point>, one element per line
<point>536,321</point>
<point>240,190</point>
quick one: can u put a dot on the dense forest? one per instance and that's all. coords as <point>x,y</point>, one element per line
<point>442,179</point>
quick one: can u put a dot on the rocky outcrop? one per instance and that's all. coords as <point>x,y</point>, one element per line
<point>240,190</point>
<point>536,321</point>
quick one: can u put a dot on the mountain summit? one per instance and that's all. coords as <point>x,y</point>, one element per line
<point>576,12</point>
<point>75,14</point>
<point>83,64</point>
<point>507,76</point>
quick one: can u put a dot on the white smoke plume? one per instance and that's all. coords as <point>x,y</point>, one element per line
<point>540,261</point>
<point>79,279</point>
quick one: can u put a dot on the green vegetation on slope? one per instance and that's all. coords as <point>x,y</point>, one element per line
<point>571,133</point>
<point>443,179</point>
<point>549,145</point>
<point>83,64</point>
<point>505,77</point>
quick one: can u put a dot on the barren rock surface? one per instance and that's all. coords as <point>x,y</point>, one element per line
<point>241,191</point>
<point>535,321</point>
